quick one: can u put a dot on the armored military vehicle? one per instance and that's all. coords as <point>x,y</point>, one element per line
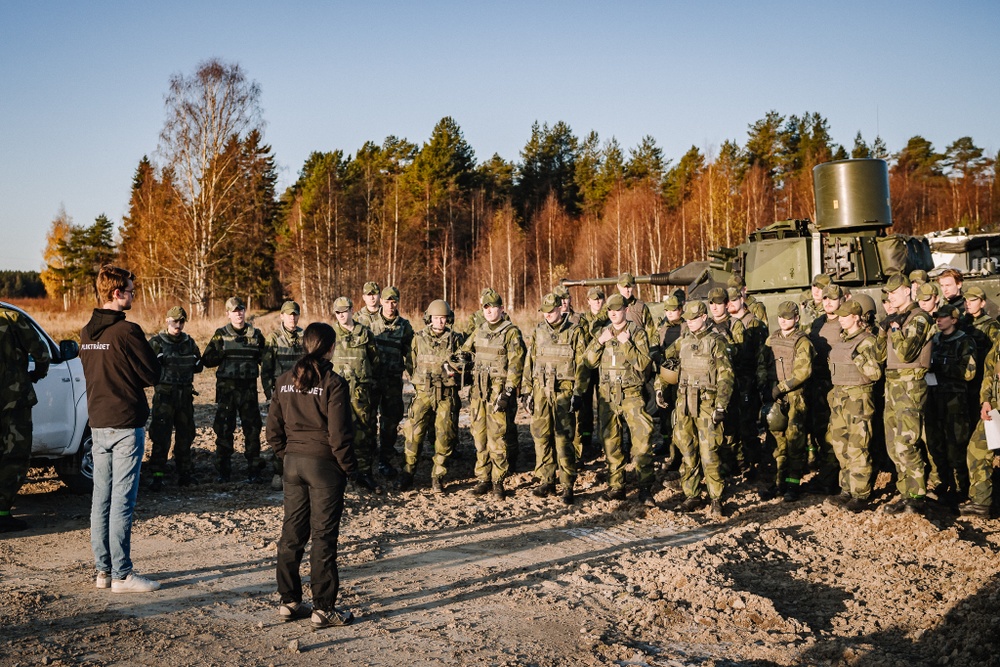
<point>850,241</point>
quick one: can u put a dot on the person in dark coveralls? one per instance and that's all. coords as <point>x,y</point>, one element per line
<point>118,365</point>
<point>309,427</point>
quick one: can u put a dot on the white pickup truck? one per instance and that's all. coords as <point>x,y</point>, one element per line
<point>61,434</point>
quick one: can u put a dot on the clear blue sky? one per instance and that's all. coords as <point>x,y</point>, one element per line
<point>82,84</point>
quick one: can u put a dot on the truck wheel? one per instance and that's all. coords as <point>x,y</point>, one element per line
<point>77,471</point>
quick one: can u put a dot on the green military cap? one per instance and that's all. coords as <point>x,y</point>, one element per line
<point>927,291</point>
<point>975,293</point>
<point>390,293</point>
<point>626,280</point>
<point>290,307</point>
<point>616,302</point>
<point>849,307</point>
<point>717,295</point>
<point>734,293</point>
<point>947,310</point>
<point>595,293</point>
<point>177,313</point>
<point>490,297</point>
<point>867,303</point>
<point>561,291</point>
<point>342,304</point>
<point>550,302</point>
<point>371,287</point>
<point>821,280</point>
<point>833,291</point>
<point>736,281</point>
<point>694,309</point>
<point>919,276</point>
<point>235,303</point>
<point>896,281</point>
<point>672,303</point>
<point>788,310</point>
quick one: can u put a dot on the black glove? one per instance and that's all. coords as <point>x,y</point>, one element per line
<point>575,403</point>
<point>661,399</point>
<point>502,401</point>
<point>673,363</point>
<point>718,416</point>
<point>35,376</point>
<point>528,403</point>
<point>776,393</point>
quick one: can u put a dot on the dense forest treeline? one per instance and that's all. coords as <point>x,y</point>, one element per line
<point>205,220</point>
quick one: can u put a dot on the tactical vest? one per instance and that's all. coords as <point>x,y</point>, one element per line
<point>350,355</point>
<point>178,360</point>
<point>491,351</point>
<point>823,336</point>
<point>289,349</point>
<point>923,359</point>
<point>843,371</point>
<point>669,334</point>
<point>431,354</point>
<point>783,349</point>
<point>240,354</point>
<point>554,353</point>
<point>389,341</point>
<point>697,357</point>
<point>615,368</point>
<point>724,329</point>
<point>633,312</point>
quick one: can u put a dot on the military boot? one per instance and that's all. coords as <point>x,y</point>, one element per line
<point>405,481</point>
<point>481,488</point>
<point>157,484</point>
<point>437,485</point>
<point>567,495</point>
<point>499,492</point>
<point>225,471</point>
<point>543,490</point>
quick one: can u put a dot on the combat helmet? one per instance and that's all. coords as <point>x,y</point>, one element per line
<point>775,415</point>
<point>439,307</point>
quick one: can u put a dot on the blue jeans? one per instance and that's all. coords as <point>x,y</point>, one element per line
<point>117,458</point>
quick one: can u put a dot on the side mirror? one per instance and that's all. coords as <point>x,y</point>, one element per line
<point>68,349</point>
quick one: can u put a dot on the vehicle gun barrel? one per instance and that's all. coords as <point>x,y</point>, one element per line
<point>681,276</point>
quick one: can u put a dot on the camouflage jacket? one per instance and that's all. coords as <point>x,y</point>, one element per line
<point>498,356</point>
<point>18,340</point>
<point>768,374</point>
<point>557,357</point>
<point>628,363</point>
<point>757,308</point>
<point>179,357</point>
<point>704,365</point>
<point>355,357</point>
<point>861,351</point>
<point>281,350</point>
<point>909,345</point>
<point>393,339</point>
<point>236,353</point>
<point>364,317</point>
<point>592,323</point>
<point>428,355</point>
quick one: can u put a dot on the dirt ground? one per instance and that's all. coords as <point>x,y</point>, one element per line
<point>460,580</point>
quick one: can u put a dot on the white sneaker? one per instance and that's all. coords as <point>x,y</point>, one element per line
<point>103,580</point>
<point>134,583</point>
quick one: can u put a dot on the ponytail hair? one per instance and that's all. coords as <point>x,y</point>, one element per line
<point>317,340</point>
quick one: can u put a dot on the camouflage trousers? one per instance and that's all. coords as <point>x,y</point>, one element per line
<point>905,398</point>
<point>818,424</point>
<point>237,398</point>
<point>173,410</point>
<point>426,412</point>
<point>489,433</point>
<point>15,453</point>
<point>362,418</point>
<point>700,442</point>
<point>979,459</point>
<point>790,457</point>
<point>614,417</point>
<point>852,409</point>
<point>387,401</point>
<point>947,440</point>
<point>553,425</point>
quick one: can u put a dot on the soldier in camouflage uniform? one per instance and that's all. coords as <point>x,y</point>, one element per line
<point>592,323</point>
<point>823,333</point>
<point>18,340</point>
<point>917,277</point>
<point>671,328</point>
<point>173,400</point>
<point>749,454</point>
<point>236,349</point>
<point>704,391</point>
<point>620,352</point>
<point>562,292</point>
<point>979,458</point>
<point>355,358</point>
<point>908,358</point>
<point>985,331</point>
<point>733,332</point>
<point>784,366</point>
<point>371,296</point>
<point>556,372</point>
<point>751,303</point>
<point>498,351</point>
<point>282,349</point>
<point>855,366</point>
<point>812,303</point>
<point>393,338</point>
<point>953,363</point>
<point>928,298</point>
<point>436,380</point>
